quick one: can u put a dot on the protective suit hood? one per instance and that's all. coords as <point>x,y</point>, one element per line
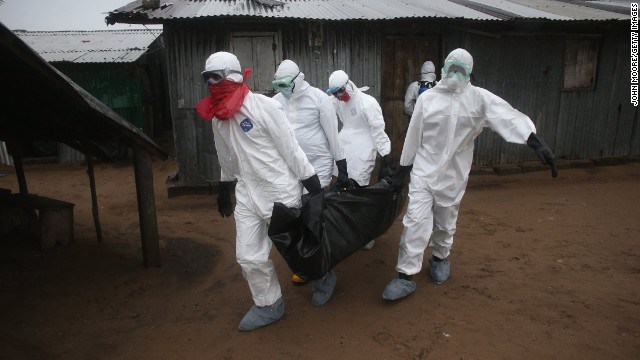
<point>461,59</point>
<point>286,68</point>
<point>428,72</point>
<point>224,60</point>
<point>461,56</point>
<point>290,70</point>
<point>339,79</point>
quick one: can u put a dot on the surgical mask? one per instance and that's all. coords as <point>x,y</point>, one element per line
<point>285,84</point>
<point>214,77</point>
<point>453,82</point>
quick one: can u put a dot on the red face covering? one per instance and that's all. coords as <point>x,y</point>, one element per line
<point>224,100</point>
<point>344,96</point>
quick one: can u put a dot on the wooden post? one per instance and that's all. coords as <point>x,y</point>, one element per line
<point>94,197</point>
<point>143,169</point>
<point>15,148</point>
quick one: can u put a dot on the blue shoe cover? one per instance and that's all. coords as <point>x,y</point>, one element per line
<point>259,316</point>
<point>323,289</point>
<point>439,270</point>
<point>399,288</point>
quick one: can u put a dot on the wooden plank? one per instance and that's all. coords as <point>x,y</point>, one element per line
<point>94,197</point>
<point>16,151</point>
<point>146,207</point>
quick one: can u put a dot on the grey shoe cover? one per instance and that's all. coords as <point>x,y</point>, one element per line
<point>439,270</point>
<point>398,288</point>
<point>259,316</point>
<point>323,289</point>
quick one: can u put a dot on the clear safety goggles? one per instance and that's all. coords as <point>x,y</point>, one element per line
<point>338,92</point>
<point>284,84</point>
<point>456,68</point>
<point>215,76</point>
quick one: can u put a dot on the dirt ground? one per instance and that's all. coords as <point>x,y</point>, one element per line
<point>542,268</point>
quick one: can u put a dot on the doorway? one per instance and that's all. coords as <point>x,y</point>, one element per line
<point>261,52</point>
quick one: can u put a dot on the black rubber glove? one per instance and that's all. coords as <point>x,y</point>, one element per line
<point>544,152</point>
<point>398,177</point>
<point>343,176</point>
<point>385,169</point>
<point>225,206</point>
<point>312,185</point>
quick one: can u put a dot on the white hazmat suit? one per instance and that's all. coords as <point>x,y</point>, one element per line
<point>362,134</point>
<point>428,74</point>
<point>439,144</point>
<point>257,147</point>
<point>313,119</point>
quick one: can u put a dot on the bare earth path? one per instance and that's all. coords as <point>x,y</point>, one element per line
<point>542,268</point>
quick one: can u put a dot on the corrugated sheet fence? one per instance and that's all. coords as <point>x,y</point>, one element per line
<point>526,69</point>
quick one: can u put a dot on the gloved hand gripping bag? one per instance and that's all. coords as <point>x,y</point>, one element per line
<point>331,226</point>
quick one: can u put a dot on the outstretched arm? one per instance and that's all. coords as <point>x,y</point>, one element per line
<point>516,127</point>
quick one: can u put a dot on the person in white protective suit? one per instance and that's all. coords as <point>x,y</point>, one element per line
<point>315,124</point>
<point>256,147</point>
<point>438,152</point>
<point>362,135</point>
<point>426,82</point>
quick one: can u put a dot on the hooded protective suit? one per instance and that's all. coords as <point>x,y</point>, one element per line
<point>257,147</point>
<point>313,119</point>
<point>362,133</point>
<point>428,74</point>
<point>439,144</point>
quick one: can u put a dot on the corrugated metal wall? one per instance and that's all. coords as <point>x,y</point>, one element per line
<point>187,49</point>
<point>525,69</point>
<point>354,48</point>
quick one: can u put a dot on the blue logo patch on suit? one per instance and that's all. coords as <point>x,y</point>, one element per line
<point>246,125</point>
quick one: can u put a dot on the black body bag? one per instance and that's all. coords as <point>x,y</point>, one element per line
<point>331,226</point>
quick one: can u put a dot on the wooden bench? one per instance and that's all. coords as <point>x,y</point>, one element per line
<point>54,217</point>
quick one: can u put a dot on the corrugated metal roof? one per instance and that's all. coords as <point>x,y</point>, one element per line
<point>74,116</point>
<point>135,12</point>
<point>103,46</point>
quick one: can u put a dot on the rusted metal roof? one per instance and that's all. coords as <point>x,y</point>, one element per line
<point>101,46</point>
<point>165,11</point>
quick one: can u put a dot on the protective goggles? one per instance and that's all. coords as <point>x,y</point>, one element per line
<point>215,76</point>
<point>456,68</point>
<point>284,84</point>
<point>338,92</point>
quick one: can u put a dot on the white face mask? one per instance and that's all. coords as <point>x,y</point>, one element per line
<point>454,81</point>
